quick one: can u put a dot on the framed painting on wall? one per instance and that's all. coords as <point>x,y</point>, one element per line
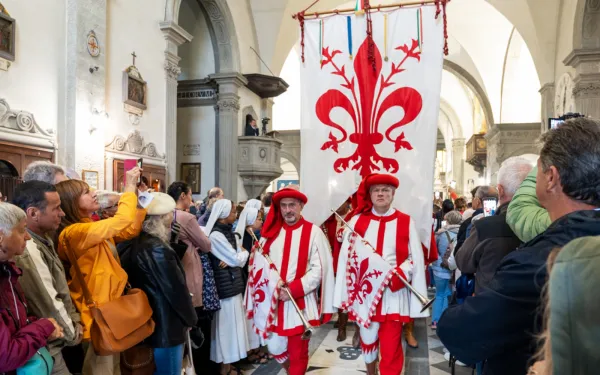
<point>190,173</point>
<point>91,178</point>
<point>7,36</point>
<point>135,89</point>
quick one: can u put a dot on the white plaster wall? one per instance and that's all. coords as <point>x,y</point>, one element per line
<point>455,94</point>
<point>197,56</point>
<point>459,55</point>
<point>521,101</point>
<point>564,41</point>
<point>268,16</point>
<point>286,110</point>
<point>35,81</point>
<point>145,38</point>
<point>241,13</point>
<point>196,125</point>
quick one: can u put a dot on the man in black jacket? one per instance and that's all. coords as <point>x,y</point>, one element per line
<point>500,324</point>
<point>251,128</point>
<point>481,193</point>
<point>491,239</point>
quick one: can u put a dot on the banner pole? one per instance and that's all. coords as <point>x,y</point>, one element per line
<point>373,7</point>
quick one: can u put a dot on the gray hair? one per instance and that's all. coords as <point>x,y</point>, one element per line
<point>486,192</point>
<point>214,192</point>
<point>574,150</point>
<point>158,226</point>
<point>512,173</point>
<point>10,217</point>
<point>104,198</point>
<point>453,217</point>
<point>42,171</point>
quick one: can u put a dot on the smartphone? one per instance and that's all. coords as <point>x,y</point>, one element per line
<point>129,164</point>
<point>489,206</point>
<point>140,163</point>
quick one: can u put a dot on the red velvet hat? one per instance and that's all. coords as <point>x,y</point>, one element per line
<point>361,200</point>
<point>274,221</point>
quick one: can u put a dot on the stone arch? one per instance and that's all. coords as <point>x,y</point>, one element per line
<point>292,159</point>
<point>221,28</point>
<point>586,32</point>
<point>472,83</point>
<point>448,111</point>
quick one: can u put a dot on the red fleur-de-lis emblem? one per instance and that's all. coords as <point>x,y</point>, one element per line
<point>366,107</point>
<point>259,285</point>
<point>360,286</point>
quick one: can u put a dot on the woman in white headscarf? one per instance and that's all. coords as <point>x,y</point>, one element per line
<point>229,331</point>
<point>251,221</point>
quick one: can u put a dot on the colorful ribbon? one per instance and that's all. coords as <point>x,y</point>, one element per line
<point>349,23</point>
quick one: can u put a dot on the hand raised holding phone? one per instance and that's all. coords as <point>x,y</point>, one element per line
<point>132,177</point>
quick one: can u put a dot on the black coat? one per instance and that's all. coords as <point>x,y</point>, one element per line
<point>154,267</point>
<point>462,231</point>
<point>250,131</point>
<point>501,322</point>
<point>491,239</point>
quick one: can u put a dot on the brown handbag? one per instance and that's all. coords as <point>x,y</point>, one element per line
<point>138,360</point>
<point>119,324</point>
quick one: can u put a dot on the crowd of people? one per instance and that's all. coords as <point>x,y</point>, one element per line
<point>216,282</point>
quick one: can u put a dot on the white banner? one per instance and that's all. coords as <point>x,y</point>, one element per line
<point>361,117</point>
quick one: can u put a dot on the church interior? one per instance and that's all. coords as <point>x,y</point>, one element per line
<point>90,84</point>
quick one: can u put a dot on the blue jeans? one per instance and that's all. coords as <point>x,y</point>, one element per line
<point>442,292</point>
<point>168,360</point>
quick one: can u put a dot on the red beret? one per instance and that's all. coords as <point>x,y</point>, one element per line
<point>274,221</point>
<point>289,193</point>
<point>381,179</point>
<point>361,200</point>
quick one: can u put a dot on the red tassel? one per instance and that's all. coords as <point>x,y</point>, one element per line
<point>371,45</point>
<point>301,20</point>
<point>444,2</point>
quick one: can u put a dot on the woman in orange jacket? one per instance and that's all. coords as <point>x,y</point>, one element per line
<point>93,245</point>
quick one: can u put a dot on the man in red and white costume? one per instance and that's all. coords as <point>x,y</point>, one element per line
<point>300,252</point>
<point>394,236</point>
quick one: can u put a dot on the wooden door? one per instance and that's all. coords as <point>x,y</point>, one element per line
<point>156,176</point>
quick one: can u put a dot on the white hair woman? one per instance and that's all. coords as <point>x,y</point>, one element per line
<point>21,337</point>
<point>154,267</point>
<point>230,340</point>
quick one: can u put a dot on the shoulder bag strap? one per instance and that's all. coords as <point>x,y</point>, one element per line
<point>84,288</point>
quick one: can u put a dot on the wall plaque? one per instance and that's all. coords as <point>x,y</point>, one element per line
<point>191,150</point>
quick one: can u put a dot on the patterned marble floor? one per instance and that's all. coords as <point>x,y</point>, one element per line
<point>329,357</point>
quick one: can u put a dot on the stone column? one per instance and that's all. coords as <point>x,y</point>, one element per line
<point>81,133</point>
<point>175,36</point>
<point>506,140</point>
<point>458,164</point>
<point>587,80</point>
<point>227,119</point>
<point>547,93</point>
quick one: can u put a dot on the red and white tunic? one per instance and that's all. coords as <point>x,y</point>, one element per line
<point>396,240</point>
<point>301,255</point>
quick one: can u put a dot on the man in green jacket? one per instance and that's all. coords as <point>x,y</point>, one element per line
<point>526,216</point>
<point>43,280</point>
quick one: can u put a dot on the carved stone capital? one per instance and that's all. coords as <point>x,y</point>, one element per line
<point>173,70</point>
<point>587,89</point>
<point>228,105</point>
